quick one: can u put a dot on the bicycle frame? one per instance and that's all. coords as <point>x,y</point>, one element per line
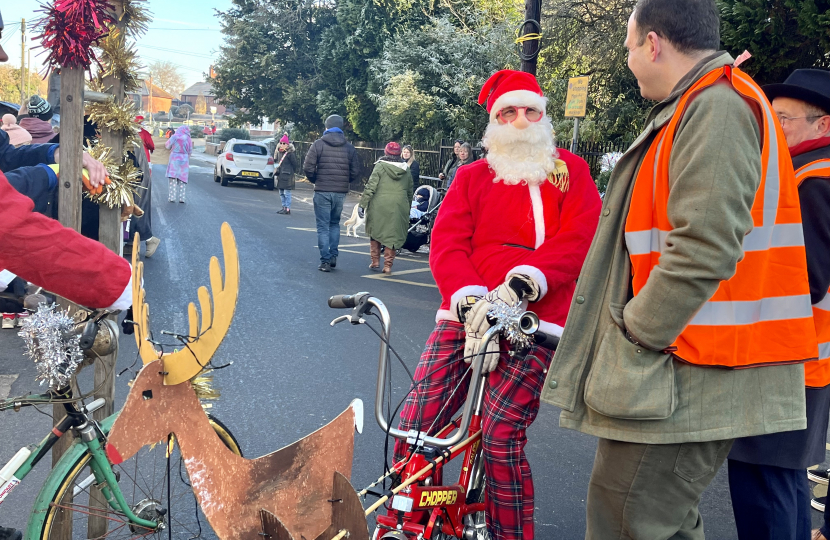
<point>90,437</point>
<point>428,505</point>
<point>419,510</point>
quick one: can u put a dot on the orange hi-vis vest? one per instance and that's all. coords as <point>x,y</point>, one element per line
<point>817,374</point>
<point>761,315</point>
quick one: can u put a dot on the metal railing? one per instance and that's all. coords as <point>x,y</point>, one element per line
<point>432,159</point>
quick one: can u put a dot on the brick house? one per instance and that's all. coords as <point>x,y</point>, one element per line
<point>191,94</point>
<point>161,100</point>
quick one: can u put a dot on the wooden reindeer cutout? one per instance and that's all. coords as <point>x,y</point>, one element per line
<point>184,364</point>
<point>300,487</point>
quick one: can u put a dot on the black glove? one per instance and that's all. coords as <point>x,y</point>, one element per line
<point>361,212</point>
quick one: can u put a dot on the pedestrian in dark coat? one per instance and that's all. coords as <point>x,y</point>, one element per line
<point>445,172</point>
<point>287,165</point>
<point>386,200</point>
<point>465,157</point>
<point>331,164</point>
<point>408,155</point>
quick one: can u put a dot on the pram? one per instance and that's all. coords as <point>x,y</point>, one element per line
<point>420,228</point>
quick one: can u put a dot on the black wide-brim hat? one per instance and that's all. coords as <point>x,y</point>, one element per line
<point>810,85</point>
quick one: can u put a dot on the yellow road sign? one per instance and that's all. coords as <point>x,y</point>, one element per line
<point>577,98</point>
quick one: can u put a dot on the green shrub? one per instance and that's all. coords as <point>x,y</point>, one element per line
<point>233,133</point>
<point>602,180</point>
<point>196,132</point>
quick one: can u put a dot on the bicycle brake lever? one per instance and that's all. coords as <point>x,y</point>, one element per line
<point>340,319</point>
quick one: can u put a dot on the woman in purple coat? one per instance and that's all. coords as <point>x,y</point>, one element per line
<point>180,147</point>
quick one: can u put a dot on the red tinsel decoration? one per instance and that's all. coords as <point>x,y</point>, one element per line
<point>69,30</point>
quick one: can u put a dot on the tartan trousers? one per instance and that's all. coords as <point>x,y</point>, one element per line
<point>511,402</point>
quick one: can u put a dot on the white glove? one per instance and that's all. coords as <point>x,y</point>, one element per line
<point>477,324</point>
<point>472,346</point>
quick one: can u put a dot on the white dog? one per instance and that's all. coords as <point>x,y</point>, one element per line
<point>354,222</point>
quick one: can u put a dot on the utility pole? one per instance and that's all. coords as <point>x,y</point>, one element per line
<point>22,62</point>
<point>531,35</point>
<point>28,74</point>
<point>150,100</point>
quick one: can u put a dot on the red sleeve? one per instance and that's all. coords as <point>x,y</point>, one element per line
<point>148,140</point>
<point>560,257</point>
<point>59,259</point>
<point>451,244</point>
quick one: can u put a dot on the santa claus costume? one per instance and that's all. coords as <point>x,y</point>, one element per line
<point>515,226</point>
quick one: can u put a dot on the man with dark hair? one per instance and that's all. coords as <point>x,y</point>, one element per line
<point>691,318</point>
<point>770,492</point>
<point>331,164</point>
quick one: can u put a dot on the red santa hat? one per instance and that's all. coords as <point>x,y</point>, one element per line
<point>508,88</point>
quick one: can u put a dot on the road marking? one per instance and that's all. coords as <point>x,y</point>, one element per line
<point>391,277</point>
<point>6,384</point>
<point>402,272</point>
<point>399,258</point>
<point>302,229</point>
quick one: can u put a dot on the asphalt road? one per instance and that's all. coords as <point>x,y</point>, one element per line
<point>291,372</point>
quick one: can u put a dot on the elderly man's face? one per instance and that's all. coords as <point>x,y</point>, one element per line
<point>797,122</point>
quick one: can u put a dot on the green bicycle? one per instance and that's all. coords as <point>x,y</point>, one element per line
<point>85,496</point>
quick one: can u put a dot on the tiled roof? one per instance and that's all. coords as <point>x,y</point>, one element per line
<point>205,88</point>
<point>157,92</point>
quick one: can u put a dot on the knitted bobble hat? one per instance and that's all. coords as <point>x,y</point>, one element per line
<point>392,149</point>
<point>334,121</point>
<point>39,108</point>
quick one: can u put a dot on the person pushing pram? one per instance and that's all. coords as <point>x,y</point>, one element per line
<point>425,205</point>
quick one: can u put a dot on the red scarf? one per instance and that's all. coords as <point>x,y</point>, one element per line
<point>809,146</point>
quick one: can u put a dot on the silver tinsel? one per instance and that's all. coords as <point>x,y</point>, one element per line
<point>56,358</point>
<point>508,317</point>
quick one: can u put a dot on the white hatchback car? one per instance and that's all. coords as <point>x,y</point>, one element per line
<point>246,161</point>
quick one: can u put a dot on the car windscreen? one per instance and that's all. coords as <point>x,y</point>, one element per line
<point>251,149</point>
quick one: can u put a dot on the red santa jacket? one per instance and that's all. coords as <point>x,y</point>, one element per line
<point>147,139</point>
<point>59,259</point>
<point>485,231</point>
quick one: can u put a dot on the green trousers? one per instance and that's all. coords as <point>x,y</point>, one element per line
<point>650,491</point>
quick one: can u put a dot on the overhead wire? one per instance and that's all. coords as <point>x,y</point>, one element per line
<point>162,49</point>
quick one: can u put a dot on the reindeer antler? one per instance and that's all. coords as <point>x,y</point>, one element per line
<point>184,364</point>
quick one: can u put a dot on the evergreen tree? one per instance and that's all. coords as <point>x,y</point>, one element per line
<point>782,35</point>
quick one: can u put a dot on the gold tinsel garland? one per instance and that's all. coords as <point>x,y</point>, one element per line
<point>135,19</point>
<point>202,384</point>
<point>125,177</point>
<point>116,117</point>
<point>119,59</point>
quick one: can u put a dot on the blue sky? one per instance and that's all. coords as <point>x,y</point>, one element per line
<point>185,32</point>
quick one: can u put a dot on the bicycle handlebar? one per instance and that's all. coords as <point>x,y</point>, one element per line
<point>341,301</point>
<point>361,302</point>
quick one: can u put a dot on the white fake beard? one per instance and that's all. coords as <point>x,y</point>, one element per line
<point>521,155</point>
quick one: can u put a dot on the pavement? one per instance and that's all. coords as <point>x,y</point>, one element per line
<point>291,372</point>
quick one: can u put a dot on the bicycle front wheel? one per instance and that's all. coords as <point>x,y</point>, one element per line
<point>154,483</point>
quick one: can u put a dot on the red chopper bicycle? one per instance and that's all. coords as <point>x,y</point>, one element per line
<point>421,506</point>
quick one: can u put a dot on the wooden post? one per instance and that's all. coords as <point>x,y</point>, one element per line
<point>22,62</point>
<point>69,214</point>
<point>109,234</point>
